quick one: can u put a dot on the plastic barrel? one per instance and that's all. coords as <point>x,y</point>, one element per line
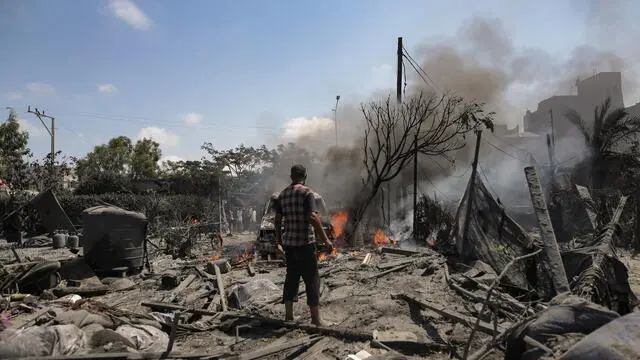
<point>59,241</point>
<point>73,241</point>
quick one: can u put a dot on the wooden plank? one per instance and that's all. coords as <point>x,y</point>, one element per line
<point>551,250</point>
<point>315,350</point>
<point>338,332</point>
<point>391,264</point>
<point>451,315</point>
<point>366,259</point>
<point>184,284</point>
<point>397,251</point>
<point>223,297</point>
<point>397,268</point>
<point>276,348</point>
<point>589,205</point>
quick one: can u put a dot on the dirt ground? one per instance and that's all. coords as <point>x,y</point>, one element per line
<point>633,265</point>
<point>353,297</point>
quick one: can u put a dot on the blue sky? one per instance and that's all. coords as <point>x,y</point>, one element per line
<point>228,72</point>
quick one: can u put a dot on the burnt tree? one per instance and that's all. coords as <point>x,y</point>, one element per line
<point>432,125</point>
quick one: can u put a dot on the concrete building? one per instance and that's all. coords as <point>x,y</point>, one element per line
<point>591,92</point>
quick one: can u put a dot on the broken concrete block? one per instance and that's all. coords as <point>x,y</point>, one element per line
<point>223,264</point>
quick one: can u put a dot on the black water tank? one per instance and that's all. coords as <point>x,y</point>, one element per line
<point>113,238</point>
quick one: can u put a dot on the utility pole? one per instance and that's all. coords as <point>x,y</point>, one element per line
<point>220,206</point>
<point>51,130</point>
<point>335,118</point>
<point>415,186</point>
<point>399,54</point>
<point>472,187</point>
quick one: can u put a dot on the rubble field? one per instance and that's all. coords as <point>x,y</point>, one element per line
<point>483,289</point>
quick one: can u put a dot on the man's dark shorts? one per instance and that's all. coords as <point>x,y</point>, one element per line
<point>302,262</point>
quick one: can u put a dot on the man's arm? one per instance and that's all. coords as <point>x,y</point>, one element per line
<point>316,220</point>
<point>278,222</point>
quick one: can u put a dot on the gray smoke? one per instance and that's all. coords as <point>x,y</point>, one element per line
<point>480,62</point>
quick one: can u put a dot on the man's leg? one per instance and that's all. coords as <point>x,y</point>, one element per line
<point>291,281</point>
<point>311,279</point>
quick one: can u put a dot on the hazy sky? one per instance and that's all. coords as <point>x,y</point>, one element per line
<point>228,72</point>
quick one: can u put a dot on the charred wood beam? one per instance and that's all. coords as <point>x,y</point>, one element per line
<point>549,244</point>
<point>589,205</point>
<point>605,249</point>
<point>337,332</point>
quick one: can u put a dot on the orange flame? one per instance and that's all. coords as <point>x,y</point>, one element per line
<point>215,256</point>
<point>322,256</point>
<point>246,255</point>
<point>380,238</point>
<point>338,221</point>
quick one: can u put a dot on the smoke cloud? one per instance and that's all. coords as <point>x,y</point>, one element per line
<point>481,62</point>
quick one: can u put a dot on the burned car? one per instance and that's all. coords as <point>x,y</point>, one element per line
<point>266,241</point>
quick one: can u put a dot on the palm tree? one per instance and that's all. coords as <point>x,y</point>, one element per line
<point>611,127</point>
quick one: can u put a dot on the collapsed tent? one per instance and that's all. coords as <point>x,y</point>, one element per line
<point>493,237</point>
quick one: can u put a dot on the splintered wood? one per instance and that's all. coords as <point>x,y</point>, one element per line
<point>549,243</point>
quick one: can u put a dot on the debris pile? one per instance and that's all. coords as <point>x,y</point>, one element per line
<point>504,293</point>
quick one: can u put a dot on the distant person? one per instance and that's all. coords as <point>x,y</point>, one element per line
<point>295,206</point>
<point>232,222</point>
<point>239,220</point>
<point>254,220</point>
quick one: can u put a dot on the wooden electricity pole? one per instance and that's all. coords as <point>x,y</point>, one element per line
<point>399,54</point>
<point>51,130</point>
<point>472,187</point>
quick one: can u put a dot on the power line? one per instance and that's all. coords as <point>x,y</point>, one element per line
<point>414,62</point>
<point>512,146</point>
<point>495,193</point>
<point>505,152</point>
<point>433,184</point>
<point>420,75</point>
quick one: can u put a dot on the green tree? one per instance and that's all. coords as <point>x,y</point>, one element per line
<point>110,167</point>
<point>14,152</point>
<point>42,175</point>
<point>243,168</point>
<point>611,130</point>
<point>192,177</point>
<point>145,157</point>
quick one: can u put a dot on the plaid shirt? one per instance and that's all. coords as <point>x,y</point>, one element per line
<point>296,203</point>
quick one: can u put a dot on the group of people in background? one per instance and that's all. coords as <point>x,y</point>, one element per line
<point>242,219</point>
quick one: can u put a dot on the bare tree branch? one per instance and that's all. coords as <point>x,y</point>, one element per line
<point>435,125</point>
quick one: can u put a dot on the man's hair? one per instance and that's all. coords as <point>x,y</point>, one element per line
<point>298,172</point>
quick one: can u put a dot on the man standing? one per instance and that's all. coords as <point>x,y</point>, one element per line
<point>239,219</point>
<point>296,206</point>
<point>254,220</point>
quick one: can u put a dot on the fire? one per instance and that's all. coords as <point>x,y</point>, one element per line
<point>338,222</point>
<point>247,255</point>
<point>379,238</point>
<point>215,256</point>
<point>322,255</point>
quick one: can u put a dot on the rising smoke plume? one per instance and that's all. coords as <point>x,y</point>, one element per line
<point>480,62</point>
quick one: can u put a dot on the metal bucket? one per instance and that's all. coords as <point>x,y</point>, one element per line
<point>59,241</point>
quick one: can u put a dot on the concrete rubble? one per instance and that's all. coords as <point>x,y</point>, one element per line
<point>487,290</point>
